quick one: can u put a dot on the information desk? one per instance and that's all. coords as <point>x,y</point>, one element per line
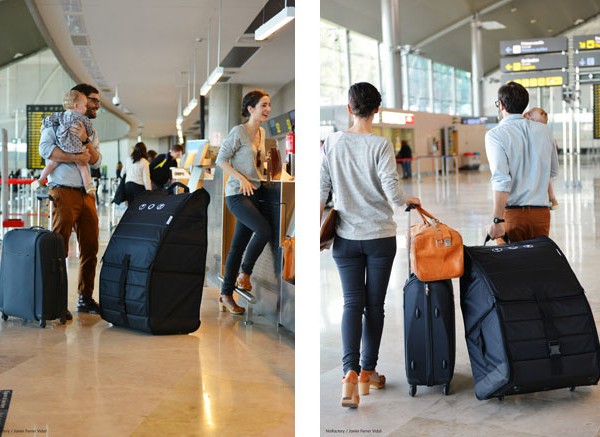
<point>275,298</point>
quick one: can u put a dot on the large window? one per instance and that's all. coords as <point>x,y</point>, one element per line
<point>419,98</point>
<point>346,57</point>
<point>443,89</point>
<point>463,92</point>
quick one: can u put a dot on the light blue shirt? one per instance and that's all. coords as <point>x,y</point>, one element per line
<point>66,173</point>
<point>522,158</point>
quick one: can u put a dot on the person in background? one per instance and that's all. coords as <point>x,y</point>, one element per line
<point>151,155</point>
<point>119,169</point>
<point>241,157</point>
<point>539,115</point>
<point>521,158</point>
<point>405,153</point>
<point>137,173</point>
<point>359,167</point>
<point>160,167</point>
<point>74,208</point>
<point>75,104</point>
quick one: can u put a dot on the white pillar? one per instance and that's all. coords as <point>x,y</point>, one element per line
<point>392,76</point>
<point>476,67</point>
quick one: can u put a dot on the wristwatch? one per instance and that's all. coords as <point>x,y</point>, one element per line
<point>87,141</point>
<point>498,220</point>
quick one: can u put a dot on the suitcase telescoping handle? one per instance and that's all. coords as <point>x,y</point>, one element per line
<point>174,185</point>
<point>408,209</point>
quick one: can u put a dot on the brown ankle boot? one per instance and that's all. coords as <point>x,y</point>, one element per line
<point>243,282</point>
<point>368,379</point>
<point>227,303</point>
<point>350,396</point>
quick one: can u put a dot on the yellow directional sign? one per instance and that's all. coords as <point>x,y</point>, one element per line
<point>586,42</point>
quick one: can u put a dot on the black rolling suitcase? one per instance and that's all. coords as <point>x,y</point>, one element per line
<point>153,268</point>
<point>528,324</point>
<point>429,331</point>
<point>33,275</point>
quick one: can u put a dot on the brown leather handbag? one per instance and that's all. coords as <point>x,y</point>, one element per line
<point>289,259</point>
<point>328,229</point>
<point>436,249</point>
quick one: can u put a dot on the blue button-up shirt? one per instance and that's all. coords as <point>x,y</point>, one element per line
<point>522,158</point>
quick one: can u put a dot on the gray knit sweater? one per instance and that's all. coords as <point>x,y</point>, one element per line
<point>360,170</point>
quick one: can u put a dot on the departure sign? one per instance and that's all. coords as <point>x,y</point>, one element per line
<point>587,59</point>
<point>282,124</point>
<point>551,61</point>
<point>35,116</point>
<point>533,79</point>
<point>586,42</point>
<point>540,45</point>
<point>596,111</point>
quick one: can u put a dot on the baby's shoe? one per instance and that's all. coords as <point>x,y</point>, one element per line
<point>35,185</point>
<point>553,204</point>
<point>91,189</point>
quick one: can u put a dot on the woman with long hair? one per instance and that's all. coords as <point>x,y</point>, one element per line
<point>359,168</point>
<point>136,173</point>
<point>241,157</point>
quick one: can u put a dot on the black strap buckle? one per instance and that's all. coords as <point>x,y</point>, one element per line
<point>554,347</point>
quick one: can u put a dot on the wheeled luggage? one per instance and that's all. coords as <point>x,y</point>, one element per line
<point>33,275</point>
<point>429,332</point>
<point>152,273</point>
<point>528,324</point>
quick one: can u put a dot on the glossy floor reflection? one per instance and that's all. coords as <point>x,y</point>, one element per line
<point>464,204</point>
<point>87,378</point>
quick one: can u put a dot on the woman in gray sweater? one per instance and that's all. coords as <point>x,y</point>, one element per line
<point>241,156</point>
<point>359,168</point>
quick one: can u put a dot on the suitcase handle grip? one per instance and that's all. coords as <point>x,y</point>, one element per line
<point>172,187</point>
<point>504,237</point>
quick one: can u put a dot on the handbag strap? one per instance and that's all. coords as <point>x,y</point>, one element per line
<point>426,215</point>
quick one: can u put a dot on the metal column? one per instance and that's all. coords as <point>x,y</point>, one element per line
<point>390,26</point>
<point>476,66</point>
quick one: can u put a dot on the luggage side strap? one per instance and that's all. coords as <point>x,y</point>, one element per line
<point>552,334</point>
<point>122,280</point>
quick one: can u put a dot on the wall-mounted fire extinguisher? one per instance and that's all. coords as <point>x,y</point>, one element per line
<point>290,152</point>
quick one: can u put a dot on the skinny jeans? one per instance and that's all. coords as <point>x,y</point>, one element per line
<point>251,235</point>
<point>364,267</point>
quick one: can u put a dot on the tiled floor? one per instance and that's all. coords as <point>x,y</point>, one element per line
<point>466,206</point>
<point>87,378</point>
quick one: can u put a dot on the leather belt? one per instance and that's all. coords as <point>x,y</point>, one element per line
<point>525,206</point>
<point>66,187</point>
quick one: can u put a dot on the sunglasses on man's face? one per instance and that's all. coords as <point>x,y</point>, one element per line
<point>94,100</point>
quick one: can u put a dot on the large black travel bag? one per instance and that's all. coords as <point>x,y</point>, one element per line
<point>528,324</point>
<point>33,275</point>
<point>429,331</point>
<point>153,269</point>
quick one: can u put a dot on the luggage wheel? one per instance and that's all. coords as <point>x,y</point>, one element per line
<point>500,398</point>
<point>4,316</point>
<point>43,323</point>
<point>572,388</point>
<point>63,320</point>
<point>412,390</point>
<point>446,389</point>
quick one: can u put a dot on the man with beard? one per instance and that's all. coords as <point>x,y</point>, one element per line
<point>74,208</point>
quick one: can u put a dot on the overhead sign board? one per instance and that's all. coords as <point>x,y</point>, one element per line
<point>587,59</point>
<point>537,79</point>
<point>479,120</point>
<point>399,118</point>
<point>531,46</point>
<point>597,111</point>
<point>552,61</point>
<point>586,42</point>
<point>35,116</point>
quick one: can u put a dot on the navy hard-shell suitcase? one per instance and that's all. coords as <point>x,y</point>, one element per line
<point>33,275</point>
<point>429,331</point>
<point>152,274</point>
<point>528,324</point>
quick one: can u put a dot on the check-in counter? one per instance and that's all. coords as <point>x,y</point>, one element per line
<point>275,297</point>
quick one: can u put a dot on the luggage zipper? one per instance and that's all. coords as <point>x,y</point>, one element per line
<point>429,357</point>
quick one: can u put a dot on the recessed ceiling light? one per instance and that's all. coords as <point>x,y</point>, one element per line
<point>550,30</point>
<point>533,20</point>
<point>578,21</point>
<point>513,10</point>
<point>17,55</point>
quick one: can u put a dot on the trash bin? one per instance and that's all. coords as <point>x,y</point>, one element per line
<point>470,161</point>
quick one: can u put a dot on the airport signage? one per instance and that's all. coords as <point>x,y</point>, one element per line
<point>532,46</point>
<point>597,111</point>
<point>35,116</point>
<point>586,42</point>
<point>398,118</point>
<point>587,59</point>
<point>552,61</point>
<point>537,79</point>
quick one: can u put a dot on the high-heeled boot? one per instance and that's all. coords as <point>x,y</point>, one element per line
<point>368,379</point>
<point>227,303</point>
<point>350,396</point>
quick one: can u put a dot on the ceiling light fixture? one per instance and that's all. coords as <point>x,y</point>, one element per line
<point>282,18</point>
<point>492,25</point>
<point>213,77</point>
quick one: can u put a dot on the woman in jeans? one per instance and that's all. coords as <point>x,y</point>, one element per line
<point>359,168</point>
<point>136,173</point>
<point>241,156</point>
